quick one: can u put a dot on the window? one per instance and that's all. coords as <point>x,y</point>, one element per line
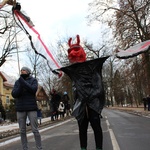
<point>7,100</point>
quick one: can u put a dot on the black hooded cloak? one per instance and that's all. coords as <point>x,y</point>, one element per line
<point>87,79</point>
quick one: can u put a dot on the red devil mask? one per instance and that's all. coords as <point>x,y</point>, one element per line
<point>76,52</point>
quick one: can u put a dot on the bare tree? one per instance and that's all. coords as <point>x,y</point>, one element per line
<point>130,22</point>
<point>129,19</point>
<point>118,88</point>
<point>8,33</point>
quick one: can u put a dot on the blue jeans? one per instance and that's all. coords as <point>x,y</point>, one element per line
<point>21,117</point>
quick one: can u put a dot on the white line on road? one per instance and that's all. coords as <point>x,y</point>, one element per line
<point>30,134</point>
<point>113,138</point>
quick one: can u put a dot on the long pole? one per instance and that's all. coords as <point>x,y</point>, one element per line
<point>17,51</point>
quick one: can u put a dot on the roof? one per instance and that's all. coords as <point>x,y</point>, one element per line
<point>40,88</point>
<point>2,75</point>
<point>7,80</point>
<point>8,84</point>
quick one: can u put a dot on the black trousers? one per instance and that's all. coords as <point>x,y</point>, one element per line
<point>94,119</point>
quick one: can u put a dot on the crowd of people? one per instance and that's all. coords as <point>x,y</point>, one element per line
<point>59,105</point>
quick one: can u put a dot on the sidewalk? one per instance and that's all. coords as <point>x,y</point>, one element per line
<point>10,129</point>
<point>135,110</point>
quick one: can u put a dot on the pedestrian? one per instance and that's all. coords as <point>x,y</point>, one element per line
<point>24,92</point>
<point>89,97</point>
<point>39,112</point>
<point>61,109</point>
<point>52,110</point>
<point>145,103</point>
<point>54,103</point>
<point>66,99</point>
<point>148,102</point>
<point>2,111</point>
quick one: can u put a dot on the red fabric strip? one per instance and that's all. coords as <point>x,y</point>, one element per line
<point>31,27</point>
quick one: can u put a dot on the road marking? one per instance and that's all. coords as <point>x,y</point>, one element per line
<point>31,134</point>
<point>113,138</point>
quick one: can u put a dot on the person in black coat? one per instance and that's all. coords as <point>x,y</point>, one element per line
<point>54,104</point>
<point>145,103</point>
<point>66,101</point>
<point>148,102</point>
<point>89,92</point>
<point>89,98</point>
<point>24,92</point>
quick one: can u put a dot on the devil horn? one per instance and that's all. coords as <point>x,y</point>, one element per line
<point>69,42</point>
<point>78,39</point>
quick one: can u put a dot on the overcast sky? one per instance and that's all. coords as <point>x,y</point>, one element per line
<point>53,18</point>
<point>58,18</point>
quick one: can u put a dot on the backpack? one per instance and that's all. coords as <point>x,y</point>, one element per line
<point>61,107</point>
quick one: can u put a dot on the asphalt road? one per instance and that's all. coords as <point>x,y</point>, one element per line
<point>132,132</point>
<point>61,136</point>
<point>121,131</point>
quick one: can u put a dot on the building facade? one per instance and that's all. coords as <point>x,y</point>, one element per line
<point>5,89</point>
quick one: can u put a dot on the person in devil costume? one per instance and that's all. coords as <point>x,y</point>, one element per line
<point>89,93</point>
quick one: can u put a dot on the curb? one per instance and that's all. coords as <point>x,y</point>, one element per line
<point>13,132</point>
<point>136,112</point>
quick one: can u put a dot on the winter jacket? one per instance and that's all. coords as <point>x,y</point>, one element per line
<point>87,79</point>
<point>61,107</point>
<point>24,92</point>
<point>54,103</point>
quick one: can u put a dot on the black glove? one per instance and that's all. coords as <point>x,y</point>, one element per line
<point>17,7</point>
